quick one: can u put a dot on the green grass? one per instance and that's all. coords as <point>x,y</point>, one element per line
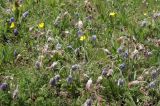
<point>18,54</point>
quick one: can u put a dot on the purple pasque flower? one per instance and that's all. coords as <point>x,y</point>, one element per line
<point>94,37</point>
<point>3,86</point>
<point>120,82</point>
<point>88,102</point>
<point>104,71</point>
<point>152,84</point>
<point>122,66</point>
<point>69,79</point>
<point>154,74</point>
<point>53,81</point>
<point>25,14</point>
<point>12,19</point>
<point>75,67</point>
<point>16,32</point>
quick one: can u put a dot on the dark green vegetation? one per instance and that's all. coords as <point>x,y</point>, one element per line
<point>76,52</point>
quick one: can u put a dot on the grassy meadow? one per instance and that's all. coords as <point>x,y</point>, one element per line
<point>79,52</point>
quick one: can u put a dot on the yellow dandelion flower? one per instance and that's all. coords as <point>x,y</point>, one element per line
<point>82,38</point>
<point>41,25</point>
<point>12,25</point>
<point>112,14</point>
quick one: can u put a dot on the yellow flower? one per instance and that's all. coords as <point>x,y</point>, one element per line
<point>13,8</point>
<point>144,14</point>
<point>12,25</point>
<point>41,25</point>
<point>82,38</point>
<point>112,14</point>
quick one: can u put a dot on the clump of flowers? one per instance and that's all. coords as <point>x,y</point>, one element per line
<point>54,81</point>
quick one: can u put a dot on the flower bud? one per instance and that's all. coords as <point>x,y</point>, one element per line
<point>69,79</point>
<point>75,67</point>
<point>94,37</point>
<point>88,102</point>
<point>154,74</point>
<point>12,20</point>
<point>16,32</point>
<point>122,66</point>
<point>120,82</point>
<point>152,84</point>
<point>89,84</point>
<point>25,14</point>
<point>3,86</point>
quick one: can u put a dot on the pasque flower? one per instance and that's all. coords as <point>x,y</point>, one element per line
<point>120,82</point>
<point>69,79</point>
<point>16,32</point>
<point>25,14</point>
<point>89,84</point>
<point>3,86</point>
<point>88,102</point>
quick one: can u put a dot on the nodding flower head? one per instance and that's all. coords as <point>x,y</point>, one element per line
<point>94,37</point>
<point>25,14</point>
<point>125,55</point>
<point>15,53</point>
<point>120,82</point>
<point>88,102</point>
<point>80,33</point>
<point>152,84</point>
<point>75,67</point>
<point>3,86</point>
<point>119,50</point>
<point>69,79</point>
<point>12,19</point>
<point>58,46</point>
<point>154,74</point>
<point>53,81</point>
<point>122,66</point>
<point>57,77</point>
<point>104,72</point>
<point>38,65</point>
<point>16,32</point>
<point>89,84</point>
